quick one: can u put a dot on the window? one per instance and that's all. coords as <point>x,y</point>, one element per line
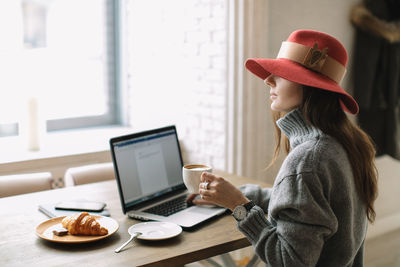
<point>60,56</point>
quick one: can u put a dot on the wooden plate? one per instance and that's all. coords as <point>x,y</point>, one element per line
<point>45,230</point>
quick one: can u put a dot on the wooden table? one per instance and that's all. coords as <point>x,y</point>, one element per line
<point>20,246</point>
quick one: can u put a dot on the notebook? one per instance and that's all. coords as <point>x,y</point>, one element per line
<point>148,171</point>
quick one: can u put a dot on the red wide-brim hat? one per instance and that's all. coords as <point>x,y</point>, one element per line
<point>310,58</point>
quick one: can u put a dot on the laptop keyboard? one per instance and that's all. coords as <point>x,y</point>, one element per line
<point>169,207</point>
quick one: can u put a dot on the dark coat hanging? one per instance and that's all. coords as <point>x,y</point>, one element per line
<point>376,70</point>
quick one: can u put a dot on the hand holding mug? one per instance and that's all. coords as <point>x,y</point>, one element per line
<point>192,176</point>
<point>215,190</point>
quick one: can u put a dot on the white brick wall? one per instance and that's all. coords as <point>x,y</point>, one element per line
<point>197,103</point>
<point>205,140</point>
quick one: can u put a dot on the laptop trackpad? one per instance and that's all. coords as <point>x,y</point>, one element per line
<point>197,212</point>
<point>202,210</point>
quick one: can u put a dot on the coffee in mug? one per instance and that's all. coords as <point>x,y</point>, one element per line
<point>192,174</point>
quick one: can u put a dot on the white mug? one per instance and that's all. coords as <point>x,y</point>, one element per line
<point>192,174</point>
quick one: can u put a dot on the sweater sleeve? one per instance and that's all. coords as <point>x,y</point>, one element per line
<point>301,220</point>
<point>260,196</point>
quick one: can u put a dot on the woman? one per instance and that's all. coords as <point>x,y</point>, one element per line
<point>323,195</point>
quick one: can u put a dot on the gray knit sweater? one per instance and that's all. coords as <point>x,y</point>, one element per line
<point>315,216</point>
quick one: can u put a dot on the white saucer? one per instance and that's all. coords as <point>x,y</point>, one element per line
<point>155,230</point>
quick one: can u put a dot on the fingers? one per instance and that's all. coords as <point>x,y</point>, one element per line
<point>207,177</point>
<point>190,198</point>
<point>212,194</point>
<point>204,185</point>
<point>203,177</point>
<point>210,178</point>
<point>206,193</point>
<point>209,184</point>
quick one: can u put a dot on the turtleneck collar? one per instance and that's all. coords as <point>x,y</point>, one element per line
<point>296,129</point>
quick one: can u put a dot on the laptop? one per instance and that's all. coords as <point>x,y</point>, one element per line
<point>148,170</point>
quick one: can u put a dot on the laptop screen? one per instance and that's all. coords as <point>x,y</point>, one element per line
<point>148,164</point>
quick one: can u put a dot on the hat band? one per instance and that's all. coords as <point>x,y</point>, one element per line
<point>314,59</point>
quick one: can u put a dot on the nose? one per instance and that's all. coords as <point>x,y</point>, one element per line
<point>270,80</point>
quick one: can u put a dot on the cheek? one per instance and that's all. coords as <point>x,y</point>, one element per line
<point>288,99</point>
<point>295,94</point>
<point>297,97</point>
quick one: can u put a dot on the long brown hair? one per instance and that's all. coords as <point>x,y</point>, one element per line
<point>322,109</point>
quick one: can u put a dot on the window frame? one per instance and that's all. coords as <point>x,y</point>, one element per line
<point>113,116</point>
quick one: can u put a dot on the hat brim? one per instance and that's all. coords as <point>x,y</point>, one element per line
<point>295,72</point>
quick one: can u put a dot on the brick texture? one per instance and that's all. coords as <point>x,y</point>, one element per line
<point>200,36</point>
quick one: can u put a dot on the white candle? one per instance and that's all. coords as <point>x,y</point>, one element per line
<point>33,125</point>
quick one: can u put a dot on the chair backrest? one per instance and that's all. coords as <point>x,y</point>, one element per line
<point>89,174</point>
<point>25,183</point>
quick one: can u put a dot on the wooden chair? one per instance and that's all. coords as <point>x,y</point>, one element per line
<point>89,174</point>
<point>25,183</point>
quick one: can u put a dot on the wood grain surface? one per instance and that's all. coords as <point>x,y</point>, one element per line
<point>20,246</point>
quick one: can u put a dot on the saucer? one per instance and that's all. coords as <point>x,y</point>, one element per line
<point>155,230</point>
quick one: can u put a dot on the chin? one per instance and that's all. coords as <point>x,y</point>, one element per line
<point>276,108</point>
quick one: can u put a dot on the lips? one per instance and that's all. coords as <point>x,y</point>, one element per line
<point>272,96</point>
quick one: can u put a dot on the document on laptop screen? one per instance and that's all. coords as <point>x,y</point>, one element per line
<point>148,165</point>
<point>151,168</point>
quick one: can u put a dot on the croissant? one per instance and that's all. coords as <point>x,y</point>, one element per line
<point>83,224</point>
